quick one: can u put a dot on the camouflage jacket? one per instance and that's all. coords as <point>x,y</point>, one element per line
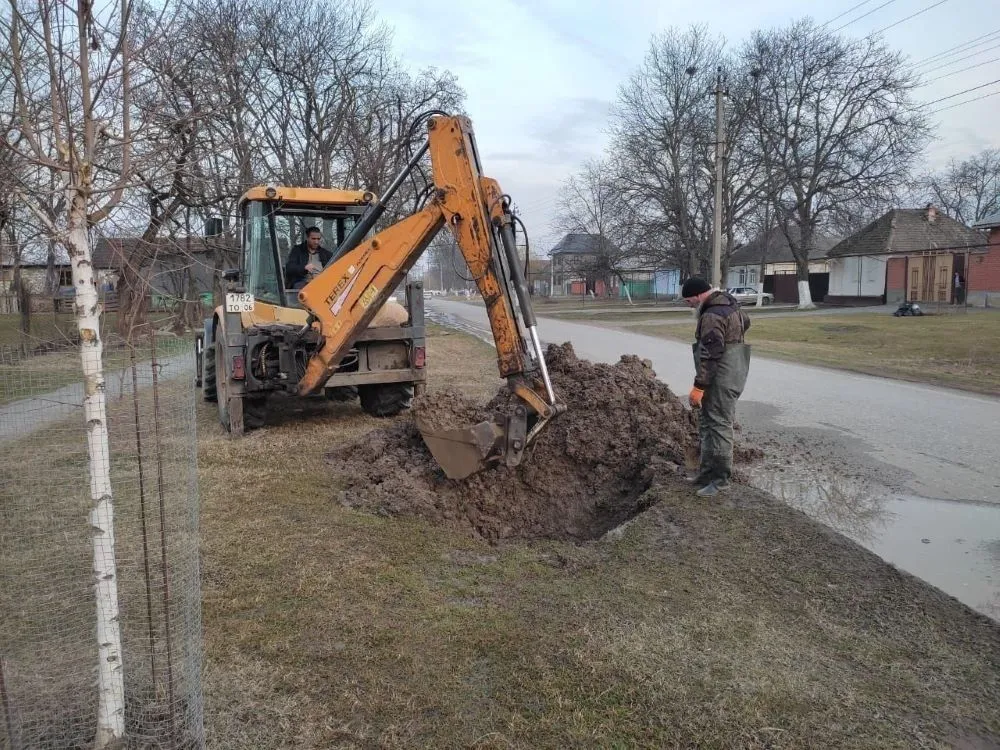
<point>721,321</point>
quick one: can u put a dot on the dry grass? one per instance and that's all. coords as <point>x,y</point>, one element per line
<point>51,364</point>
<point>48,327</point>
<point>959,351</point>
<point>740,624</point>
<point>46,562</point>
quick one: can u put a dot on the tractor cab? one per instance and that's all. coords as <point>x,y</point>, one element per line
<point>259,342</point>
<point>276,219</point>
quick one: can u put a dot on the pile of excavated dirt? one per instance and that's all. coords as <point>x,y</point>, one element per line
<point>584,474</point>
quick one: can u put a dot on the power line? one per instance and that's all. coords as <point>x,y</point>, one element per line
<point>960,59</point>
<point>864,15</point>
<point>968,101</point>
<point>852,8</point>
<point>962,70</point>
<point>912,15</point>
<point>957,48</point>
<point>966,91</point>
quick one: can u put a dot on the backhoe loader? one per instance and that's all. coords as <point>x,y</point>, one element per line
<point>258,342</point>
<point>259,338</point>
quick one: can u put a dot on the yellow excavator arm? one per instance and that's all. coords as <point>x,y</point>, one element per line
<point>364,272</point>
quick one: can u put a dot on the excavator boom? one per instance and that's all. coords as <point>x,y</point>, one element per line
<point>363,274</point>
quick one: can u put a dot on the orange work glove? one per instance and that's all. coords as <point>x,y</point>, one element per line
<point>695,397</point>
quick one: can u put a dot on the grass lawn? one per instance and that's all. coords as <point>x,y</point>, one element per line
<point>52,360</point>
<point>59,328</point>
<point>959,351</point>
<point>45,327</point>
<point>731,624</point>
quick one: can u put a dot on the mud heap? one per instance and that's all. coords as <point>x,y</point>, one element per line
<point>584,475</point>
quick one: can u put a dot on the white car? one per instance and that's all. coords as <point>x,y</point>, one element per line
<point>747,295</point>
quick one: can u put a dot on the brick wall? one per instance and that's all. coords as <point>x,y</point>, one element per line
<point>984,270</point>
<point>895,280</point>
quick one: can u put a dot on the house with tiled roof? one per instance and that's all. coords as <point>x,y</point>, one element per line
<point>581,264</point>
<point>780,268</point>
<point>916,254</point>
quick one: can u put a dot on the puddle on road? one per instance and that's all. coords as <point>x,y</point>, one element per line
<point>961,554</point>
<point>952,545</point>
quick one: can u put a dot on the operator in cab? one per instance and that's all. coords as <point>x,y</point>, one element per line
<point>306,260</point>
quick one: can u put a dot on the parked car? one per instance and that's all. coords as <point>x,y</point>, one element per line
<point>748,295</point>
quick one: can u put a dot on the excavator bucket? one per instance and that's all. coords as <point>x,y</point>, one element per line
<point>464,451</point>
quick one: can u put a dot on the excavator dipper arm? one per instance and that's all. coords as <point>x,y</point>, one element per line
<point>357,282</point>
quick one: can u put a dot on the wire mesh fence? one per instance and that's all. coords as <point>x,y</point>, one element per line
<point>57,603</point>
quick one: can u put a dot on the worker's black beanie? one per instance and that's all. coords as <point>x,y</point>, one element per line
<point>693,287</point>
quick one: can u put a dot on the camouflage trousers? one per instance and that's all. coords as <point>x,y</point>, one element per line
<point>718,414</point>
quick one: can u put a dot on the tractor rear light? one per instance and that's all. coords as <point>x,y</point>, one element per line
<point>419,356</point>
<point>239,367</point>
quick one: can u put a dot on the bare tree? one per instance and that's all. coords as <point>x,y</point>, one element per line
<point>591,203</point>
<point>968,190</point>
<point>837,117</point>
<point>662,144</point>
<point>384,131</point>
<point>316,56</point>
<point>77,59</point>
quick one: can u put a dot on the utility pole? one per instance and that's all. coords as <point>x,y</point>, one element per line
<point>720,151</point>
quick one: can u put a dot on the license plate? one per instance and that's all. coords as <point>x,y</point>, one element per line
<point>238,303</point>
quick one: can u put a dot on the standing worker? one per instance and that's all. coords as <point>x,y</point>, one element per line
<point>722,362</point>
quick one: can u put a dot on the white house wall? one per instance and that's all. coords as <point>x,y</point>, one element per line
<point>770,269</point>
<point>857,277</point>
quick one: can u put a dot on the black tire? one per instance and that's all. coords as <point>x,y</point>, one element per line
<point>254,412</point>
<point>254,407</point>
<point>221,388</point>
<point>209,389</point>
<point>341,393</point>
<point>386,399</point>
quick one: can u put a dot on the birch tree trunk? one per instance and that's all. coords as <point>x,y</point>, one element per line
<point>110,672</point>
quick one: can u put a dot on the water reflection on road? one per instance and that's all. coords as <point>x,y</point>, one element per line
<point>953,545</point>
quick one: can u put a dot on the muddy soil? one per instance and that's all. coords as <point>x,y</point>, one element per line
<point>585,474</point>
<point>448,408</point>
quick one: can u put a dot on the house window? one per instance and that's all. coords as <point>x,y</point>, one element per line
<point>65,277</point>
<point>743,276</point>
<point>752,277</point>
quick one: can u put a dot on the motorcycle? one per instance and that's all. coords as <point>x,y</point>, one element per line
<point>908,308</point>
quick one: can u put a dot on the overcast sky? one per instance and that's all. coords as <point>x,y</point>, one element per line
<point>541,75</point>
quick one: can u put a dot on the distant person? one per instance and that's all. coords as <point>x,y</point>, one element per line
<point>722,363</point>
<point>306,260</point>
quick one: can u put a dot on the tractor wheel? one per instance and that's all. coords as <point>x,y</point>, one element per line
<point>342,393</point>
<point>254,412</point>
<point>221,388</point>
<point>385,400</point>
<point>208,386</point>
<point>252,409</point>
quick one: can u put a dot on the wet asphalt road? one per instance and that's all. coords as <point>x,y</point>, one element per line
<point>945,444</point>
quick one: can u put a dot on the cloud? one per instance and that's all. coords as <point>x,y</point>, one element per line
<point>571,132</point>
<point>579,29</point>
<point>492,156</point>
